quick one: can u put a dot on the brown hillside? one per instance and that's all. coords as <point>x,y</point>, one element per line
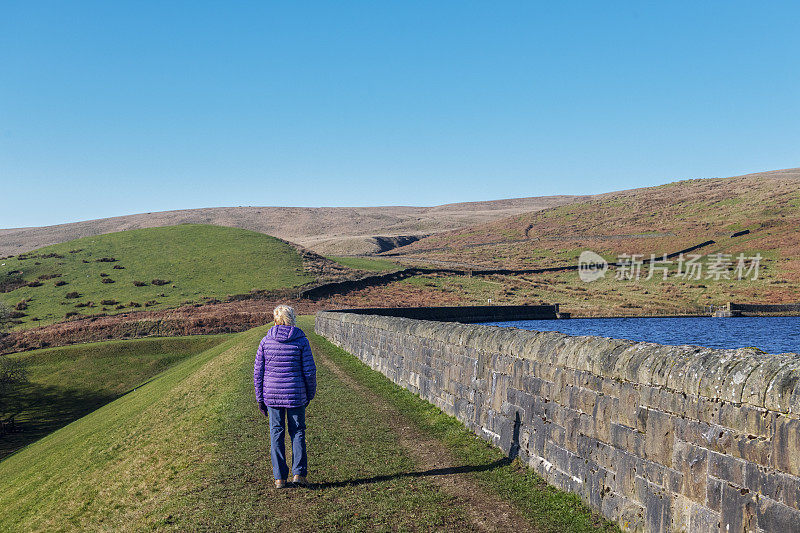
<point>657,220</point>
<point>326,230</point>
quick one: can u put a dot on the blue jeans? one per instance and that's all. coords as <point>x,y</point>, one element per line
<point>297,433</point>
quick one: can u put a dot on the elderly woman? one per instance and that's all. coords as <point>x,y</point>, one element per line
<point>285,379</point>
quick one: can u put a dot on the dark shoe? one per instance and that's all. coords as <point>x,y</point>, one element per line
<point>280,483</point>
<point>300,480</point>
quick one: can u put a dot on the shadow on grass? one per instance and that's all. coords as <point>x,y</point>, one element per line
<point>40,410</point>
<point>423,473</point>
<point>505,461</point>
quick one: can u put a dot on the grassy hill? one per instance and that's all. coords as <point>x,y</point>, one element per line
<point>188,451</point>
<point>67,383</point>
<point>653,220</point>
<point>155,268</point>
<point>326,230</point>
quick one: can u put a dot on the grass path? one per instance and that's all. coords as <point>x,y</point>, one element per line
<point>190,451</point>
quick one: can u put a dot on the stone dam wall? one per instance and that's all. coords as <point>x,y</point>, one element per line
<point>657,438</point>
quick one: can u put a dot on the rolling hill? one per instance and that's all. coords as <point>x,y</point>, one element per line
<point>67,383</point>
<point>326,230</point>
<point>762,210</point>
<point>657,219</point>
<point>153,268</point>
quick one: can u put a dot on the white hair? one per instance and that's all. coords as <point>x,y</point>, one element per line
<point>284,315</point>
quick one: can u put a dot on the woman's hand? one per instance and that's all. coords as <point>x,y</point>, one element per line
<point>263,408</point>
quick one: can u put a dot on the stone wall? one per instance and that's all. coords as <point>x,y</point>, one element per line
<point>764,308</point>
<point>657,438</point>
<point>465,313</point>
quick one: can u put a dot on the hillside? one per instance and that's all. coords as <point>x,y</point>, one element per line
<point>67,383</point>
<point>153,268</point>
<point>326,230</point>
<point>657,220</point>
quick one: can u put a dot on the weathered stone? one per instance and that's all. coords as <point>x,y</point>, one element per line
<point>773,516</point>
<point>693,462</point>
<point>738,510</point>
<point>785,445</point>
<point>659,438</point>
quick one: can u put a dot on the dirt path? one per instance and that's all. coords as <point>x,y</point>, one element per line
<point>486,511</point>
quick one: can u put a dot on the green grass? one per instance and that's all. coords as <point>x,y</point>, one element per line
<point>198,261</point>
<point>366,263</point>
<point>548,509</point>
<point>69,382</point>
<point>189,451</point>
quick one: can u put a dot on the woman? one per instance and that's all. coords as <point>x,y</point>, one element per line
<point>285,379</point>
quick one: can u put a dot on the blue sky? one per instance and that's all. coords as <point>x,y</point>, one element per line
<point>111,108</point>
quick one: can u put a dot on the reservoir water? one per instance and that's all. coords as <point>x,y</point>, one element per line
<point>771,334</point>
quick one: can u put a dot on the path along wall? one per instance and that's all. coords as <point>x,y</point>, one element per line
<point>658,438</point>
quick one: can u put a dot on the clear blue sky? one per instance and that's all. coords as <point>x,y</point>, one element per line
<point>113,107</point>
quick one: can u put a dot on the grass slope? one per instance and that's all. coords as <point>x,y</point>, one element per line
<point>189,451</point>
<point>198,262</point>
<point>655,220</point>
<point>69,382</point>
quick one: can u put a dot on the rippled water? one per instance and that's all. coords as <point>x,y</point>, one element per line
<point>771,334</point>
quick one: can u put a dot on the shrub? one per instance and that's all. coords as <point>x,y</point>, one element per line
<point>108,280</point>
<point>120,306</point>
<point>35,284</point>
<point>22,305</point>
<point>119,267</point>
<point>16,314</point>
<point>103,275</point>
<point>48,276</point>
<point>159,282</point>
<point>139,283</point>
<point>76,251</point>
<point>85,261</point>
<point>150,302</point>
<point>60,283</point>
<point>71,314</point>
<point>134,304</point>
<point>109,302</point>
<point>105,260</point>
<point>73,294</point>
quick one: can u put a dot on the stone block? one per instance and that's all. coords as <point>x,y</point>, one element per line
<point>786,445</point>
<point>738,509</point>
<point>627,439</point>
<point>714,493</point>
<point>704,521</point>
<point>774,516</point>
<point>603,413</point>
<point>659,437</point>
<point>726,468</point>
<point>629,402</point>
<point>763,369</point>
<point>657,503</point>
<point>692,461</point>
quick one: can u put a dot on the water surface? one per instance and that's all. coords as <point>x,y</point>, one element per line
<point>771,334</point>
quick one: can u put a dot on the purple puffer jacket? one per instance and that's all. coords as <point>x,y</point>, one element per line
<point>284,373</point>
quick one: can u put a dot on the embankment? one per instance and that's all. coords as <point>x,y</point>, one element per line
<point>658,438</point>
